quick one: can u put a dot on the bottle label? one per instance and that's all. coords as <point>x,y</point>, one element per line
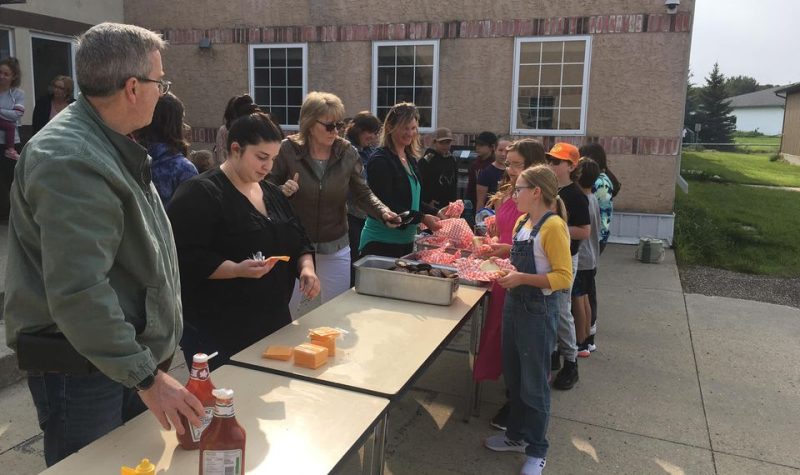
<point>223,410</point>
<point>200,373</point>
<point>205,420</point>
<point>222,462</point>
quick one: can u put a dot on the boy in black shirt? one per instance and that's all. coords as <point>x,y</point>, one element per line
<point>438,170</point>
<point>563,158</point>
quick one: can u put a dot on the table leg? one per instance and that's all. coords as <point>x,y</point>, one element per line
<point>369,462</point>
<point>477,320</point>
<point>380,443</point>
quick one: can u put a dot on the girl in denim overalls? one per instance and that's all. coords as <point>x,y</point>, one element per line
<point>540,252</point>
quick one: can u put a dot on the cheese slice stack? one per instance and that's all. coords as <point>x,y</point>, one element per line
<point>308,355</point>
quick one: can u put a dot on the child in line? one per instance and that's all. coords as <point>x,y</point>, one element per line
<point>562,159</point>
<point>540,253</point>
<point>586,175</point>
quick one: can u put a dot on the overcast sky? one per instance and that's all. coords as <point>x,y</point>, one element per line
<point>757,38</point>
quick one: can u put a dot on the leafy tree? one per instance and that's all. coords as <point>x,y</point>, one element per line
<point>738,85</point>
<point>718,122</point>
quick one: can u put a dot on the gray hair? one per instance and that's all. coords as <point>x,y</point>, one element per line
<point>111,53</point>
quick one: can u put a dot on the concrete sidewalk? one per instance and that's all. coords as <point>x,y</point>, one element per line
<point>680,384</point>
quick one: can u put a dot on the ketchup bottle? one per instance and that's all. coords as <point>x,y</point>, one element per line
<point>201,386</point>
<point>222,443</point>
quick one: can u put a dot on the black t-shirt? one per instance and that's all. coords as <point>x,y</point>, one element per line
<point>438,175</point>
<point>577,211</point>
<point>490,177</point>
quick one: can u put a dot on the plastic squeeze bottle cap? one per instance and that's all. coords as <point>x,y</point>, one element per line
<point>202,357</point>
<point>144,468</point>
<point>222,393</point>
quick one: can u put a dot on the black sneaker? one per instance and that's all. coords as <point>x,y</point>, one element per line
<point>499,421</point>
<point>555,361</point>
<point>567,377</point>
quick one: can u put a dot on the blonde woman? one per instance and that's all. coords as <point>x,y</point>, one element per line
<point>393,176</point>
<point>58,98</point>
<point>317,170</point>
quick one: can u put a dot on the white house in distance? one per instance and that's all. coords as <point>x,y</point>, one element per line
<point>760,111</point>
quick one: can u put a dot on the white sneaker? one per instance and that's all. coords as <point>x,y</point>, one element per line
<point>533,466</point>
<point>592,347</point>
<point>501,443</point>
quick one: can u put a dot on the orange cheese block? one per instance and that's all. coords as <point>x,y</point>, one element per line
<point>325,336</point>
<point>327,342</point>
<point>309,355</point>
<point>283,353</point>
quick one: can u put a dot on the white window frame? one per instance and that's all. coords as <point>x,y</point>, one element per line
<point>435,85</point>
<point>11,45</point>
<point>73,43</point>
<point>251,70</point>
<point>587,62</point>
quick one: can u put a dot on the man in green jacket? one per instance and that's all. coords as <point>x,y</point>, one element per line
<point>92,302</point>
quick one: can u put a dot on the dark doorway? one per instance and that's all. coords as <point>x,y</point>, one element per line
<point>50,59</point>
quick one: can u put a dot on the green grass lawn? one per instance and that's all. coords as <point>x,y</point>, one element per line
<point>774,140</point>
<point>746,168</point>
<point>740,228</point>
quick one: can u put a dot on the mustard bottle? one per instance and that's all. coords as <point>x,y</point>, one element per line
<point>144,468</point>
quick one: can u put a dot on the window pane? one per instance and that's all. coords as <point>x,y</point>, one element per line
<point>293,115</point>
<point>551,51</point>
<point>382,111</point>
<point>570,119</point>
<point>425,114</point>
<point>261,57</point>
<point>423,96</point>
<point>294,77</point>
<point>279,113</point>
<point>405,55</point>
<point>574,51</point>
<point>278,96</point>
<point>526,96</point>
<point>385,77</point>
<point>294,57</point>
<point>405,76</point>
<point>573,74</point>
<point>546,118</point>
<point>385,97</point>
<point>261,77</point>
<point>425,55</point>
<point>262,96</point>
<point>278,57</point>
<point>386,55</point>
<point>423,75</point>
<point>278,77</point>
<point>571,96</point>
<point>529,52</point>
<point>294,96</point>
<point>529,75</point>
<point>551,75</point>
<point>404,94</point>
<point>548,97</point>
<point>526,118</point>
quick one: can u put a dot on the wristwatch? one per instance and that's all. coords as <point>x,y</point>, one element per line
<point>147,382</point>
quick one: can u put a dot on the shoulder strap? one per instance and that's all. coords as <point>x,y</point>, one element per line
<point>539,225</point>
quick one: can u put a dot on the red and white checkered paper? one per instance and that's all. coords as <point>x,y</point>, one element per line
<point>457,230</point>
<point>454,209</point>
<point>469,269</point>
<point>438,256</point>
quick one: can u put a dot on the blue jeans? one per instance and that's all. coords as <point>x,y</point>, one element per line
<point>75,410</point>
<point>529,333</point>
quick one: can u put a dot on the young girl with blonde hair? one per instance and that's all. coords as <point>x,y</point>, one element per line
<point>540,252</point>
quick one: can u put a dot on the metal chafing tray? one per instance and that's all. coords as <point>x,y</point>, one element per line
<point>373,277</point>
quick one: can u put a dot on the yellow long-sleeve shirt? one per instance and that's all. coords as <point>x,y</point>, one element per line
<point>550,250</point>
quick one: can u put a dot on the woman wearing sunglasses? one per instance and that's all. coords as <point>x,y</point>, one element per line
<point>318,169</point>
<point>394,176</point>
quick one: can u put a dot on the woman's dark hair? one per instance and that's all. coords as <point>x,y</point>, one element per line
<point>13,65</point>
<point>587,172</point>
<point>252,129</point>
<point>364,121</point>
<point>596,152</point>
<point>167,126</point>
<point>239,106</point>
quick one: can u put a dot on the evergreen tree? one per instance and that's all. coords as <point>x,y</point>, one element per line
<point>690,111</point>
<point>718,122</point>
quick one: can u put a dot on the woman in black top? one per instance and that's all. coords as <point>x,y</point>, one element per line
<point>393,176</point>
<point>221,220</point>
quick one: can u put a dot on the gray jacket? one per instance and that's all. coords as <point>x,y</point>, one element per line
<point>91,252</point>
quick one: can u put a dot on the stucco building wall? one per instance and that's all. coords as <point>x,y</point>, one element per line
<point>639,61</point>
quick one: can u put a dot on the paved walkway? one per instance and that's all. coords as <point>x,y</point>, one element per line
<point>680,384</point>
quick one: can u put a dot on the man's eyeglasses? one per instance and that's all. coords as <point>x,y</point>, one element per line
<point>331,126</point>
<point>518,188</point>
<point>163,84</point>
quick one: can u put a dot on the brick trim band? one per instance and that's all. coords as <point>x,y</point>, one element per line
<point>614,145</point>
<point>555,26</point>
